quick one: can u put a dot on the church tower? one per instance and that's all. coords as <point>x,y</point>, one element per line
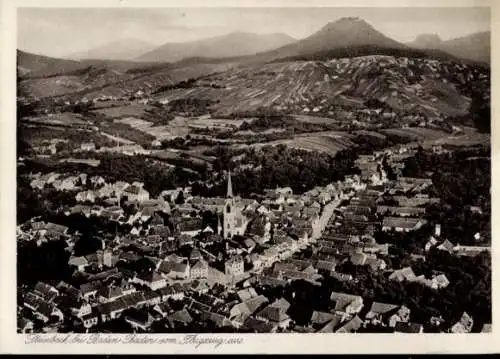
<point>229,218</point>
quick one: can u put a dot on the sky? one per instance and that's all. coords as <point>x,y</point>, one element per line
<point>62,32</point>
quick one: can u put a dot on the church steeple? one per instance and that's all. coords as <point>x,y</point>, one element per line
<point>229,186</point>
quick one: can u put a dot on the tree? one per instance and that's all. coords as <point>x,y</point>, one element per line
<point>180,198</point>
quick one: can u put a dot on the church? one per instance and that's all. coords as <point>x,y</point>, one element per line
<point>235,222</point>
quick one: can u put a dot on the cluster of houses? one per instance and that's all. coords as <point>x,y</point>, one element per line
<point>220,255</point>
<point>207,270</point>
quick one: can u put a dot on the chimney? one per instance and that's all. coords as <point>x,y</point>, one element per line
<point>437,230</point>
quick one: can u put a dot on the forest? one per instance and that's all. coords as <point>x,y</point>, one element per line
<point>461,179</point>
<point>277,166</point>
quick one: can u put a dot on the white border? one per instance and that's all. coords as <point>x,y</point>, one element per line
<point>10,342</point>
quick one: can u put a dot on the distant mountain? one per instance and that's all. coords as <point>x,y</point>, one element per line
<point>474,47</point>
<point>124,49</point>
<point>231,45</point>
<point>426,41</point>
<point>347,32</point>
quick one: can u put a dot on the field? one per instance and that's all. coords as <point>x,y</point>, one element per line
<point>126,110</point>
<point>314,119</point>
<point>103,81</point>
<point>328,142</point>
<point>65,119</point>
<point>417,133</point>
<point>215,123</point>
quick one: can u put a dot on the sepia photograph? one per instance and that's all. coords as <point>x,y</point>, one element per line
<point>253,170</point>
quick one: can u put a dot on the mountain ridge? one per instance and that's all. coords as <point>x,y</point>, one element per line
<point>473,47</point>
<point>237,43</point>
<point>122,49</point>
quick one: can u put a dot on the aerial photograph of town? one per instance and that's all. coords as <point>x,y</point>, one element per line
<point>259,170</point>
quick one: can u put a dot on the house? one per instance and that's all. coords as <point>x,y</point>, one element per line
<point>151,279</point>
<point>219,320</point>
<point>347,303</point>
<point>402,224</point>
<point>351,326</point>
<point>136,193</point>
<point>375,263</point>
<point>246,294</point>
<point>104,192</point>
<point>446,246</point>
<point>79,262</point>
<point>190,226</point>
<point>199,286</point>
<point>109,293</point>
<point>139,319</point>
<point>325,266</point>
<point>89,290</point>
<point>90,320</point>
<point>440,281</point>
<point>163,309</point>
<point>257,326</point>
<point>464,325</point>
<point>80,209</point>
<point>88,146</point>
<point>175,270</point>
<point>86,196</point>
<point>431,243</point>
<point>241,311</point>
<point>24,325</point>
<point>275,314</point>
<point>379,313</point>
<point>408,328</point>
<point>332,325</point>
<point>42,309</point>
<point>45,291</point>
<point>359,259</point>
<point>403,274</point>
<point>234,266</point>
<point>199,270</point>
<point>470,251</point>
<point>401,211</point>
<point>321,318</point>
<point>402,315</point>
<point>180,317</point>
<point>486,328</point>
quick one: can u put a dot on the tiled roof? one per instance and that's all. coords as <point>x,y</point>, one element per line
<point>342,300</point>
<point>182,316</point>
<point>321,317</point>
<point>382,308</point>
<point>407,327</point>
<point>332,325</point>
<point>351,326</point>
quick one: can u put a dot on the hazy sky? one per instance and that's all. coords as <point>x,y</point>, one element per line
<point>61,32</point>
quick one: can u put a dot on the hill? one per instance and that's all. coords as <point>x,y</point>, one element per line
<point>29,63</point>
<point>348,32</point>
<point>230,45</point>
<point>474,47</point>
<point>340,88</point>
<point>125,49</point>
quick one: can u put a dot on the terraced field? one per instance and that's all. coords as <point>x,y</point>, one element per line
<point>304,87</point>
<point>94,83</point>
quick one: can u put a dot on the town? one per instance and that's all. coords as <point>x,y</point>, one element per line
<point>183,263</point>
